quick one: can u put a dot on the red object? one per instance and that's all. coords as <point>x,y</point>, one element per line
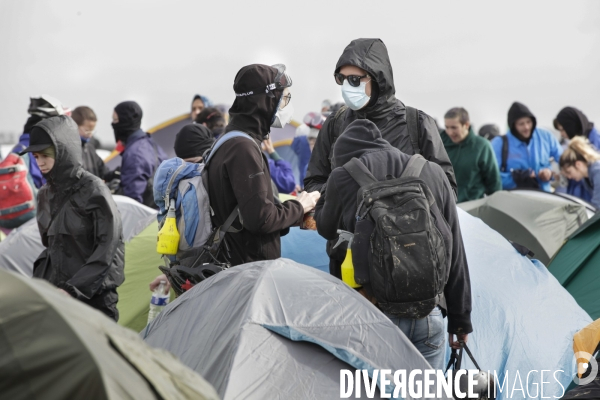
<point>187,285</point>
<point>17,201</point>
<point>120,147</point>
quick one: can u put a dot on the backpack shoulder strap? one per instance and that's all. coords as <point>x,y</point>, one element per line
<point>412,123</point>
<point>504,153</point>
<point>221,141</point>
<point>414,167</point>
<point>359,172</point>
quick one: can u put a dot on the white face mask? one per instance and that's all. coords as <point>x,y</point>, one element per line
<point>283,116</point>
<point>355,97</point>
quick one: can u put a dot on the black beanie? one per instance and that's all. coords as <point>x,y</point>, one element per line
<point>192,141</point>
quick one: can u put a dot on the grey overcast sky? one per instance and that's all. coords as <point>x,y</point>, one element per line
<point>481,55</point>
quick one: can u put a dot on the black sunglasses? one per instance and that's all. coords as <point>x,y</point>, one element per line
<point>353,80</point>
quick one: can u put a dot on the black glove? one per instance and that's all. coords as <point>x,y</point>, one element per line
<point>523,179</point>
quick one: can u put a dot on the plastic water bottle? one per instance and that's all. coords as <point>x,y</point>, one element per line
<point>158,301</point>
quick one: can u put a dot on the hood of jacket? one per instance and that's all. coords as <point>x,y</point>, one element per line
<point>516,111</point>
<point>360,137</point>
<point>68,165</point>
<point>574,122</point>
<point>372,56</point>
<point>253,110</point>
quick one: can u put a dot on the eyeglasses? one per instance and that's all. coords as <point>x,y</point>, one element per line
<point>285,100</point>
<point>353,80</point>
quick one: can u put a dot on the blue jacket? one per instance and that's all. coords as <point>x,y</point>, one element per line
<point>34,170</point>
<point>140,160</point>
<point>301,147</point>
<point>592,183</point>
<point>534,156</point>
<point>579,189</point>
<point>282,175</point>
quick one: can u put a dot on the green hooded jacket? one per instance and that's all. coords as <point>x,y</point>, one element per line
<point>474,165</point>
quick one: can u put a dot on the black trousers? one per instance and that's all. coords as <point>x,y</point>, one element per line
<point>105,302</point>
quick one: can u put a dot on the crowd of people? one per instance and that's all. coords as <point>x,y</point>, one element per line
<point>372,142</point>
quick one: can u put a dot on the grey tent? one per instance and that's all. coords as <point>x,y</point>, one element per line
<point>279,329</point>
<point>22,247</point>
<point>540,224</point>
<point>55,347</point>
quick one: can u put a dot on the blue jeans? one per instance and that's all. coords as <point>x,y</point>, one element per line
<point>427,334</point>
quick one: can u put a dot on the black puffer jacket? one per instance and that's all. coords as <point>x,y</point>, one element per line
<point>387,112</point>
<point>78,220</point>
<point>92,162</point>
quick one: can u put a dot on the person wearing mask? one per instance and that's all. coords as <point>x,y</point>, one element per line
<point>199,103</point>
<point>571,123</point>
<point>78,220</point>
<point>238,174</point>
<point>580,162</point>
<point>85,118</point>
<point>472,157</point>
<point>281,170</point>
<point>213,119</point>
<point>337,209</point>
<point>364,72</point>
<point>524,154</point>
<point>141,156</point>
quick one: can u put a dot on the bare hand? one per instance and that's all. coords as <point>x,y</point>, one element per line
<point>545,175</point>
<point>459,336</point>
<point>267,146</point>
<point>156,282</point>
<point>308,200</point>
<point>64,292</point>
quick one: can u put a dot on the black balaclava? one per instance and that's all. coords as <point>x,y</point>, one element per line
<point>254,114</point>
<point>192,141</point>
<point>516,111</point>
<point>360,137</point>
<point>130,119</point>
<point>574,122</point>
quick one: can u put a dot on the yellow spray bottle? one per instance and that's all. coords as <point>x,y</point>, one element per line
<point>168,236</point>
<point>347,266</point>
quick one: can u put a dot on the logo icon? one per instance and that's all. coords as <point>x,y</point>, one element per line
<point>583,367</point>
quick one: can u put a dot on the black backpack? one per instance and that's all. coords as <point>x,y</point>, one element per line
<point>398,248</point>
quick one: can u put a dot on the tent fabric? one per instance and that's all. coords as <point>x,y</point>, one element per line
<point>576,266</point>
<point>55,347</point>
<point>278,329</point>
<point>541,225</point>
<point>523,320</point>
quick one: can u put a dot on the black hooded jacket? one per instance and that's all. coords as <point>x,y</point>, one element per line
<point>516,111</point>
<point>238,174</point>
<point>79,222</point>
<point>387,112</point>
<point>336,209</point>
<point>92,162</point>
<point>574,122</point>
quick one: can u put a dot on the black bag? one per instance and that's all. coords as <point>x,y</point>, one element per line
<point>405,257</point>
<point>484,389</point>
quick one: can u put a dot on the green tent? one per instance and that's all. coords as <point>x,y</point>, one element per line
<point>141,267</point>
<point>577,266</point>
<point>55,347</point>
<point>540,224</point>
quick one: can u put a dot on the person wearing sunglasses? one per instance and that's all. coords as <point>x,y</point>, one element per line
<point>239,175</point>
<point>86,119</point>
<point>365,76</point>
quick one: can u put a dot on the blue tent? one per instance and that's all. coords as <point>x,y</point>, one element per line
<point>523,319</point>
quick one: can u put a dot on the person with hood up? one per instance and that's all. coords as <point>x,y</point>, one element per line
<point>86,119</point>
<point>472,157</point>
<point>364,72</point>
<point>571,123</point>
<point>337,208</point>
<point>528,151</point>
<point>141,156</point>
<point>78,220</point>
<point>238,174</point>
<point>199,103</point>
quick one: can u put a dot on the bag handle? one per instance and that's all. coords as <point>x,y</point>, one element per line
<point>359,172</point>
<point>456,357</point>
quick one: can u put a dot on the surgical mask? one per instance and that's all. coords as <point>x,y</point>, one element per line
<point>355,97</point>
<point>283,116</point>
